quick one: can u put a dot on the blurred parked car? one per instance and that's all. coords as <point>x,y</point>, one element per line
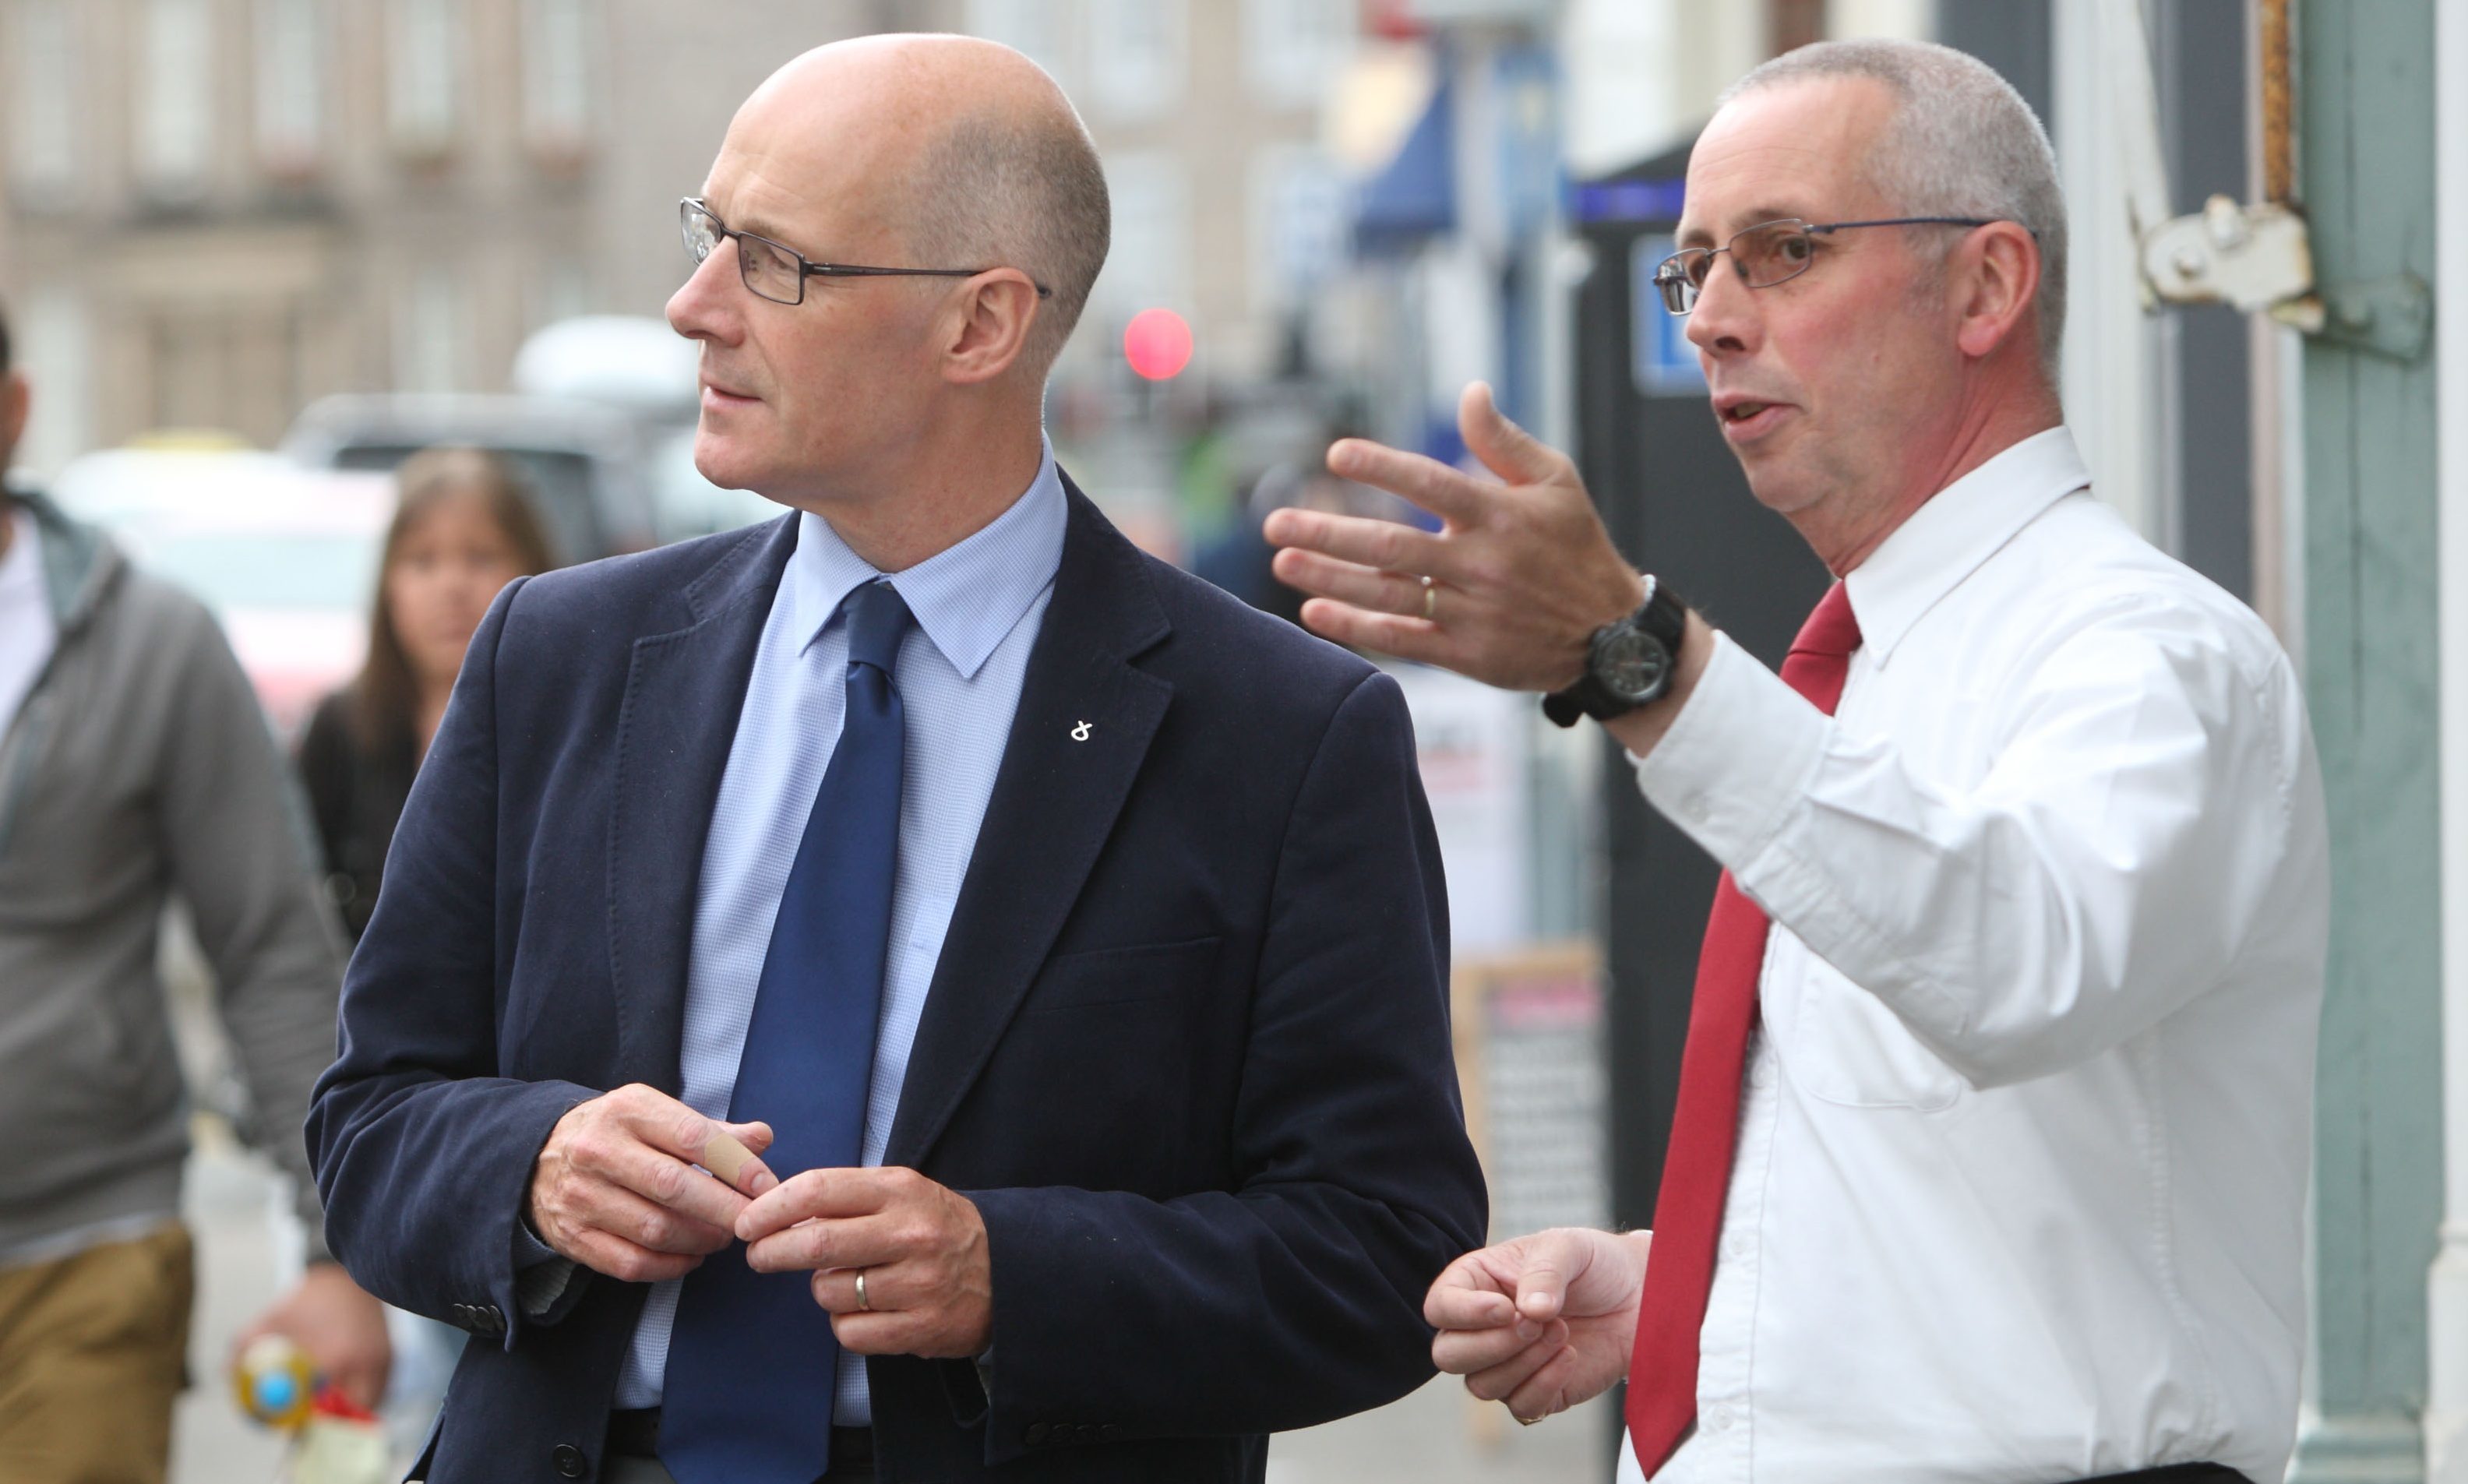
<point>582,460</point>
<point>285,557</point>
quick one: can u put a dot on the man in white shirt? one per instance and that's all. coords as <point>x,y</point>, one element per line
<point>1991,1153</point>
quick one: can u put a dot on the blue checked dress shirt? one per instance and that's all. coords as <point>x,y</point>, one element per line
<point>978,608</point>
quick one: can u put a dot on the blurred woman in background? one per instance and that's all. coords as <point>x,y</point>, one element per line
<point>463,529</point>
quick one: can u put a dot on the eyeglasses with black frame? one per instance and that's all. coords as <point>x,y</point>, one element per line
<point>778,272</point>
<point>1770,253</point>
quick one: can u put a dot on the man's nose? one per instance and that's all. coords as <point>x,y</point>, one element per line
<point>1725,321</point>
<point>705,305</point>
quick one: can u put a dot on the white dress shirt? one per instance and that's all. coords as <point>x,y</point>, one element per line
<point>980,607</point>
<point>2019,1189</point>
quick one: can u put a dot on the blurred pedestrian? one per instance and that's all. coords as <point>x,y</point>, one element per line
<point>463,529</point>
<point>1990,1153</point>
<point>135,766</point>
<point>1068,937</point>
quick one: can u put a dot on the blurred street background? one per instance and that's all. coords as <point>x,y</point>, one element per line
<point>256,252</point>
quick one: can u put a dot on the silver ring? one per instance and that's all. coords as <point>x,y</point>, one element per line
<point>860,1291</point>
<point>1431,599</point>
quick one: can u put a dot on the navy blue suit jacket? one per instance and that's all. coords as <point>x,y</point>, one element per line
<point>1186,1046</point>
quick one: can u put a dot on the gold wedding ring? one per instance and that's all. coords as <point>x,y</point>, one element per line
<point>1431,599</point>
<point>860,1291</point>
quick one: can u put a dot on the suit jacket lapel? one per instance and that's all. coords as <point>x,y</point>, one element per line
<point>684,692</point>
<point>1085,721</point>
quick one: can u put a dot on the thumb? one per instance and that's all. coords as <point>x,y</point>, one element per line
<point>1506,449</point>
<point>1543,1288</point>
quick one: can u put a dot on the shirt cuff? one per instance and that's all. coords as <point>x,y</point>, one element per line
<point>1737,760</point>
<point>541,1276</point>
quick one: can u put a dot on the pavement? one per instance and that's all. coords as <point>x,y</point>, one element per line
<point>234,1205</point>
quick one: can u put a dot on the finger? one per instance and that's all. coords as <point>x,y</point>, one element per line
<point>1390,634</point>
<point>1381,544</point>
<point>1468,1309</point>
<point>670,1127</point>
<point>889,1288</point>
<point>837,1193</point>
<point>1449,493</point>
<point>877,1334</point>
<point>830,1241</point>
<point>1471,1352</point>
<point>626,1262</point>
<point>1363,587</point>
<point>730,1159</point>
<point>665,1181</point>
<point>658,1227</point>
<point>1552,1388</point>
<point>1506,449</point>
<point>1497,1382</point>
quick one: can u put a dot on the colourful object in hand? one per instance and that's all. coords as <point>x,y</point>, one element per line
<point>275,1383</point>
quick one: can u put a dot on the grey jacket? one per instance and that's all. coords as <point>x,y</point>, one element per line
<point>140,766</point>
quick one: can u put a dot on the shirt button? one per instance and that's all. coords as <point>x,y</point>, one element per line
<point>1739,1247</point>
<point>1715,1418</point>
<point>1761,1072</point>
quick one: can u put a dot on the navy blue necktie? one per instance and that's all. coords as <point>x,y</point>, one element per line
<point>752,1363</point>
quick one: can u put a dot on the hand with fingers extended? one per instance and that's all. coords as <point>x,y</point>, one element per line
<point>1509,590</point>
<point>920,1249</point>
<point>616,1187</point>
<point>1541,1323</point>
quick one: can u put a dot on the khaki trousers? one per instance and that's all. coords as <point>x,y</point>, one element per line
<point>93,1350</point>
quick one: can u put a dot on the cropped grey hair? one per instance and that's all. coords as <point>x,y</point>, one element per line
<point>1028,194</point>
<point>1962,143</point>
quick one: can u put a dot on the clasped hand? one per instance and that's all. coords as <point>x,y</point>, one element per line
<point>624,1187</point>
<point>1541,1323</point>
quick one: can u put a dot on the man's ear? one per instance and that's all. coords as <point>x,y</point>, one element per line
<point>1999,271</point>
<point>15,398</point>
<point>997,311</point>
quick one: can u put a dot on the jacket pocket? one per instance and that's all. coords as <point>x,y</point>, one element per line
<point>1165,972</point>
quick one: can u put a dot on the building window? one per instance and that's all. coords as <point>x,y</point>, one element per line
<point>1138,57</point>
<point>424,75</point>
<point>175,99</point>
<point>1033,28</point>
<point>1299,225</point>
<point>54,347</point>
<point>291,96</point>
<point>44,132</point>
<point>557,45</point>
<point>1292,50</point>
<point>430,339</point>
<point>1149,263</point>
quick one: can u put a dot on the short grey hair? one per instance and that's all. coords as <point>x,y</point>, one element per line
<point>1962,143</point>
<point>1004,192</point>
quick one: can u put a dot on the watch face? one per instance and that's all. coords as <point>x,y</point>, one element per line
<point>1633,665</point>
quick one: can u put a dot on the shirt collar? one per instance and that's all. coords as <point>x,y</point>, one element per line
<point>967,597</point>
<point>1960,527</point>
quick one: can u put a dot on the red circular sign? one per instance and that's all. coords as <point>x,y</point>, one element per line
<point>1157,344</point>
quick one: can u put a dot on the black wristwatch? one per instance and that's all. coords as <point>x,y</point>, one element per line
<point>1628,662</point>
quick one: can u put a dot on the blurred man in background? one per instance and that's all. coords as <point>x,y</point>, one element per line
<point>135,765</point>
<point>1989,1161</point>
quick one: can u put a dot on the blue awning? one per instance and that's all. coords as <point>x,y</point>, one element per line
<point>1414,196</point>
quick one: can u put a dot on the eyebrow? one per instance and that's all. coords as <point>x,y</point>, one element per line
<point>1703,236</point>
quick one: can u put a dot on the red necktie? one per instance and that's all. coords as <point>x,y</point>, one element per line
<point>1704,1126</point>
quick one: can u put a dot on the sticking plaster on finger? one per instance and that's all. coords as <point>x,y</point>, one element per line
<point>724,1157</point>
